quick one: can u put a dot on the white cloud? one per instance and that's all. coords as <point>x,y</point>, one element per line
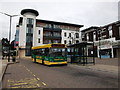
<point>83,12</point>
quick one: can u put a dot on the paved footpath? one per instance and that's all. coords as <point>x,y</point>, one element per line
<point>105,65</point>
<point>3,66</point>
<point>100,67</point>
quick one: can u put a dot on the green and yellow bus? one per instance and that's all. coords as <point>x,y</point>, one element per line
<point>50,54</point>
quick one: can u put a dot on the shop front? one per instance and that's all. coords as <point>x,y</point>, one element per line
<point>106,53</point>
<point>105,48</point>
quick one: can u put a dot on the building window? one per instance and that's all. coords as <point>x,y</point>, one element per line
<point>69,34</point>
<point>65,34</point>
<point>29,30</point>
<point>56,34</point>
<point>110,33</point>
<point>56,41</point>
<point>49,41</point>
<point>65,41</point>
<point>83,35</point>
<point>30,21</point>
<point>39,32</point>
<point>70,42</point>
<point>49,25</point>
<point>77,35</point>
<point>110,28</point>
<point>94,36</point>
<point>29,36</point>
<point>47,34</point>
<point>38,40</point>
<point>68,28</point>
<point>87,36</point>
<point>77,41</point>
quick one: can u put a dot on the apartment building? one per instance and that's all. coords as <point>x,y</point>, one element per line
<point>106,39</point>
<point>35,32</point>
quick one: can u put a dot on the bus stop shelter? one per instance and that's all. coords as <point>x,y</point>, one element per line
<point>82,53</point>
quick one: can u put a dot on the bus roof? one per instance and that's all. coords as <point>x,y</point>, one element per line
<point>54,45</point>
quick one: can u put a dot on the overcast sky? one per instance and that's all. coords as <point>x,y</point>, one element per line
<point>82,12</point>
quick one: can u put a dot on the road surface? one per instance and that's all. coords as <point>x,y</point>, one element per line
<point>27,74</point>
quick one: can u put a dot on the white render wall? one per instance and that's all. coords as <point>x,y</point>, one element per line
<point>22,32</point>
<point>36,36</point>
<point>72,35</point>
<point>22,35</point>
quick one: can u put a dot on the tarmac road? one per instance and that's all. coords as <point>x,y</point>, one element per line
<point>27,74</point>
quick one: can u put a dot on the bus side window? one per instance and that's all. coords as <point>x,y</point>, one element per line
<point>46,52</point>
<point>42,51</point>
<point>66,51</point>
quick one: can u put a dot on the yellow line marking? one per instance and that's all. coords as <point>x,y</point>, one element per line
<point>14,87</point>
<point>33,74</point>
<point>43,83</point>
<point>10,81</point>
<point>38,85</point>
<point>38,79</point>
<point>19,83</point>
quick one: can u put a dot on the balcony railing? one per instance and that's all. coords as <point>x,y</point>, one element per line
<point>52,37</point>
<point>52,29</point>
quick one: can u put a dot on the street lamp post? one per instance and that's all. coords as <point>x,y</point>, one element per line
<point>9,31</point>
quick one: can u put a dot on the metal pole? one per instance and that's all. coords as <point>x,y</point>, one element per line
<point>10,28</point>
<point>9,39</point>
<point>93,53</point>
<point>99,45</point>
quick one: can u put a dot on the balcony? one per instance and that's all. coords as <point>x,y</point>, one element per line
<point>51,37</point>
<point>52,29</point>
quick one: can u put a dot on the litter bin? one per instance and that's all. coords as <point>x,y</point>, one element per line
<point>13,58</point>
